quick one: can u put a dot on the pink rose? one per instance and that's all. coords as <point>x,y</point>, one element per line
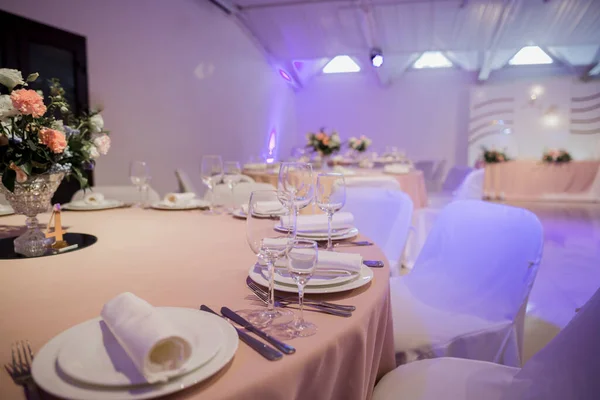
<point>102,143</point>
<point>54,139</point>
<point>28,102</point>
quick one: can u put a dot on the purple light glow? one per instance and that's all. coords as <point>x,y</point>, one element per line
<point>298,65</point>
<point>285,75</point>
<point>272,144</point>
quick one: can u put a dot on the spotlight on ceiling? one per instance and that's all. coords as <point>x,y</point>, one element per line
<point>376,57</point>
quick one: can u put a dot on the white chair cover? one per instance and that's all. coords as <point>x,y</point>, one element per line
<point>383,216</point>
<point>184,182</point>
<point>455,178</point>
<point>127,194</point>
<point>567,368</point>
<point>241,193</point>
<point>472,186</point>
<point>437,175</point>
<point>467,293</point>
<point>383,182</point>
<point>427,168</point>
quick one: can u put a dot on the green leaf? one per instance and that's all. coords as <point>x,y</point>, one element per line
<point>26,168</point>
<point>8,179</point>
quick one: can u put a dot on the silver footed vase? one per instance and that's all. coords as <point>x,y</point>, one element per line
<point>31,198</point>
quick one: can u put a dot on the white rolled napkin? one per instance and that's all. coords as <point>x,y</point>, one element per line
<point>317,223</point>
<point>179,199</point>
<point>93,198</point>
<point>397,169</point>
<point>344,171</point>
<point>157,348</point>
<point>265,207</point>
<point>329,260</point>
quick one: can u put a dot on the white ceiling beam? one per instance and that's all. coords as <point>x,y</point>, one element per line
<point>595,69</point>
<point>510,7</point>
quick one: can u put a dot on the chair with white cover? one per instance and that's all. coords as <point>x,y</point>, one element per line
<point>567,368</point>
<point>471,187</point>
<point>241,193</point>
<point>438,175</point>
<point>384,216</point>
<point>127,194</point>
<point>426,167</point>
<point>455,178</point>
<point>184,182</point>
<point>382,182</point>
<point>467,293</point>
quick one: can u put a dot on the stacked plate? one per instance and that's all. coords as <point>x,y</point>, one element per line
<point>82,205</point>
<point>6,210</point>
<point>189,205</point>
<point>320,235</point>
<point>86,361</point>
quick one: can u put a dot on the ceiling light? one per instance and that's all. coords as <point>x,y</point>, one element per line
<point>432,59</point>
<point>340,64</point>
<point>530,55</point>
<point>376,57</point>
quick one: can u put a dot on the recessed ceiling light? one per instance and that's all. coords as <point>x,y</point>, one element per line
<point>530,55</point>
<point>432,59</point>
<point>340,64</point>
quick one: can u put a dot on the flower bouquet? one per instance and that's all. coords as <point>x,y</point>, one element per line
<point>323,143</point>
<point>360,145</point>
<point>557,156</point>
<point>40,143</point>
<point>494,156</point>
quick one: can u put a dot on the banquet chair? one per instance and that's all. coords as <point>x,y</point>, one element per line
<point>127,194</point>
<point>467,293</point>
<point>437,175</point>
<point>426,167</point>
<point>471,187</point>
<point>184,182</point>
<point>455,178</point>
<point>383,182</point>
<point>241,193</point>
<point>384,216</point>
<point>567,368</point>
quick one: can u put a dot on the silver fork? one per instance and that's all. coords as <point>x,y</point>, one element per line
<point>20,369</point>
<point>255,288</point>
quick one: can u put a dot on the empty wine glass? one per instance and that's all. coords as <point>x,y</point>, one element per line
<point>295,183</point>
<point>139,173</point>
<point>330,197</point>
<point>232,174</point>
<point>269,245</point>
<point>302,262</point>
<point>211,172</point>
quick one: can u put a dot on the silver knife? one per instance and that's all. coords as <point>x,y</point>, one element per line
<point>373,263</point>
<point>261,348</point>
<point>238,319</point>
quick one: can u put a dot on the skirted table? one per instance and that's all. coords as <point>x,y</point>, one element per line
<point>529,180</point>
<point>184,259</point>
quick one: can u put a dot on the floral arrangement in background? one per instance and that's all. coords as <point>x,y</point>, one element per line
<point>323,143</point>
<point>33,141</point>
<point>557,156</point>
<point>361,144</point>
<point>494,156</point>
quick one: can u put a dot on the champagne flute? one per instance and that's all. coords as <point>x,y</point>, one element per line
<point>331,197</point>
<point>302,262</point>
<point>295,183</point>
<point>269,245</point>
<point>139,173</point>
<point>232,176</point>
<point>211,172</point>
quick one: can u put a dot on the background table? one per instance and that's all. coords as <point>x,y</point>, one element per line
<point>184,259</point>
<point>412,183</point>
<point>529,180</point>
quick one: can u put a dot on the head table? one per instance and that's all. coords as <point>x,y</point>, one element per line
<point>184,259</point>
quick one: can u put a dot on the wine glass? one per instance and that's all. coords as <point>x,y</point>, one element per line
<point>139,174</point>
<point>211,172</point>
<point>295,183</point>
<point>232,174</point>
<point>330,197</point>
<point>302,262</point>
<point>269,245</point>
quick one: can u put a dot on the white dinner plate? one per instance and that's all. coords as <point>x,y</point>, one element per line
<point>192,205</point>
<point>6,211</point>
<point>365,276</point>
<point>239,213</point>
<point>95,356</point>
<point>337,234</point>
<point>80,205</point>
<point>48,375</point>
<point>318,279</point>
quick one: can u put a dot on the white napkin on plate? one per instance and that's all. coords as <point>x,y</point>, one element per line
<point>93,198</point>
<point>257,166</point>
<point>265,207</point>
<point>397,169</point>
<point>157,348</point>
<point>328,260</point>
<point>179,199</point>
<point>343,170</point>
<point>318,223</point>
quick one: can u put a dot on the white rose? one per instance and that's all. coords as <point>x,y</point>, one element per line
<point>93,152</point>
<point>11,78</point>
<point>58,125</point>
<point>6,108</point>
<point>96,123</point>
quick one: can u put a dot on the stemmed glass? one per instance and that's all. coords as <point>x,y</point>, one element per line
<point>211,172</point>
<point>269,245</point>
<point>330,197</point>
<point>139,174</point>
<point>302,262</point>
<point>295,185</point>
<point>232,176</point>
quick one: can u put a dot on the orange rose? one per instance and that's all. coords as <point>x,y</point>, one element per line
<point>28,102</point>
<point>54,139</point>
<point>320,136</point>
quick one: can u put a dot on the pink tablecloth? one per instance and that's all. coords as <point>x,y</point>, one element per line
<point>535,180</point>
<point>184,259</point>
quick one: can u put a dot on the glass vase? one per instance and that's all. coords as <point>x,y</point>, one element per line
<point>31,198</point>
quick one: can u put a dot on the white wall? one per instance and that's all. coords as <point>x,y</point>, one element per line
<point>177,79</point>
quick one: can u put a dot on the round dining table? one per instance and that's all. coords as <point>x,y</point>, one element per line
<point>185,259</point>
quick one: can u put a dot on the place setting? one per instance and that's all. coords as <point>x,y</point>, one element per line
<point>94,202</point>
<point>180,202</point>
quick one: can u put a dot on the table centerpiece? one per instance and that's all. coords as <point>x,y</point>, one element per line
<point>323,144</point>
<point>556,156</point>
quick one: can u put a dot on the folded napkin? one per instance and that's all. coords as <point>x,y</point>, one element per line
<point>265,207</point>
<point>179,199</point>
<point>366,164</point>
<point>345,171</point>
<point>255,166</point>
<point>328,260</point>
<point>397,169</point>
<point>156,347</point>
<point>93,198</point>
<point>314,223</point>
